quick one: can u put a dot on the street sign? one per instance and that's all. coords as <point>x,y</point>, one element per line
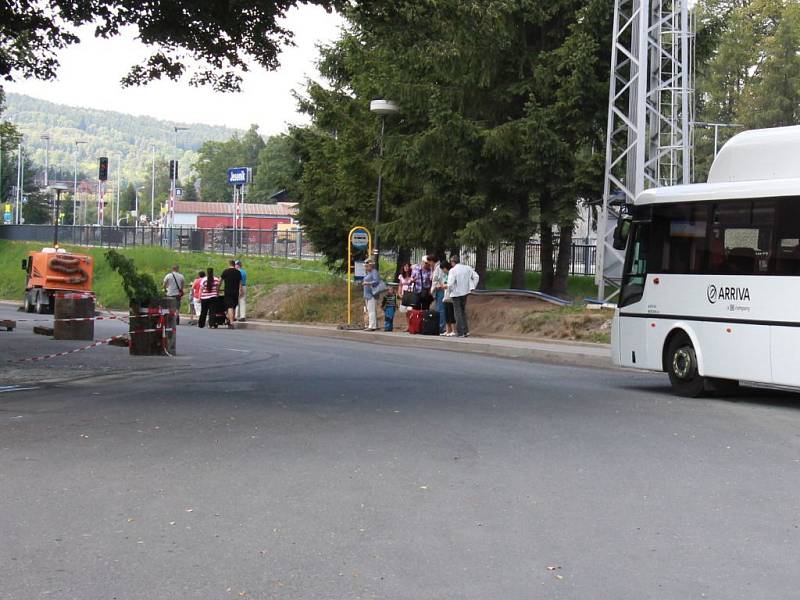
<point>240,175</point>
<point>360,239</point>
<point>178,192</point>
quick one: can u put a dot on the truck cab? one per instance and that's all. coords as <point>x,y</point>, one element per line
<point>54,270</point>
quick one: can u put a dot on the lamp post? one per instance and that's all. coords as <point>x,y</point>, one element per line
<point>46,139</point>
<point>382,108</point>
<point>57,188</point>
<point>75,184</point>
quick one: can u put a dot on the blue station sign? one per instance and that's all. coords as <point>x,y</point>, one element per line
<point>240,175</point>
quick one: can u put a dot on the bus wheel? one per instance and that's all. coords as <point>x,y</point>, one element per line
<point>682,368</point>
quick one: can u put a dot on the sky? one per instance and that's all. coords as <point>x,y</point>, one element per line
<point>90,76</point>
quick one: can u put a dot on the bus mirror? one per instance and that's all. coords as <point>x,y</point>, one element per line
<point>621,232</point>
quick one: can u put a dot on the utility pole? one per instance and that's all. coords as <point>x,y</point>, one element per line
<point>19,184</point>
<point>153,189</point>
<point>174,184</point>
<point>46,139</point>
<point>119,182</point>
<point>75,185</point>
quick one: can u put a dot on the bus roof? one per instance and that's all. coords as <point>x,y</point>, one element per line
<point>735,190</point>
<point>761,163</point>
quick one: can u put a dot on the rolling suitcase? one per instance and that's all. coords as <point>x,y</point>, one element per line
<point>414,321</point>
<point>430,322</point>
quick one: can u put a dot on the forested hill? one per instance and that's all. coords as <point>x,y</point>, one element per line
<point>106,133</point>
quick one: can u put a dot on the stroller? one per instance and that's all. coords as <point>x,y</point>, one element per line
<point>217,314</point>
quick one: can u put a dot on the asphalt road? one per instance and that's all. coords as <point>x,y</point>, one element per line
<point>276,466</point>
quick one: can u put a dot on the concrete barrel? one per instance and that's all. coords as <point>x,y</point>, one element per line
<point>146,324</point>
<point>75,305</point>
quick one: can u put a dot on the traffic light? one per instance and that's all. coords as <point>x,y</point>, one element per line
<point>173,169</point>
<point>103,175</point>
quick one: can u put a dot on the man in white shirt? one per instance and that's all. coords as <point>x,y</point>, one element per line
<point>461,280</point>
<point>173,288</point>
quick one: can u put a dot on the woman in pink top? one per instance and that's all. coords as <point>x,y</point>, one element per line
<point>405,283</point>
<point>209,290</point>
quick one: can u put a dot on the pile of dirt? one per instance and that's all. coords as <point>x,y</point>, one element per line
<point>511,316</point>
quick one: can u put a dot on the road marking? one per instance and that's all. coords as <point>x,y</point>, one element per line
<point>15,388</point>
<point>237,350</point>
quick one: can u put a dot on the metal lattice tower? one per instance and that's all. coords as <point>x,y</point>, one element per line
<point>648,140</point>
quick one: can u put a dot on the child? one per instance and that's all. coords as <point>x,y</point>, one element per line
<point>389,306</point>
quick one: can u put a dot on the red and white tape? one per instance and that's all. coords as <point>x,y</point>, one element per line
<point>111,318</point>
<point>161,330</point>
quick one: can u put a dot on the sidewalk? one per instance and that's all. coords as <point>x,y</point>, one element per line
<point>580,354</point>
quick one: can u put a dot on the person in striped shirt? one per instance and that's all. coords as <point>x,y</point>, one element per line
<point>209,290</point>
<point>389,305</point>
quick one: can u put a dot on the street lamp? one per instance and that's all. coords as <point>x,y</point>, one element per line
<point>75,184</point>
<point>57,188</point>
<point>382,108</point>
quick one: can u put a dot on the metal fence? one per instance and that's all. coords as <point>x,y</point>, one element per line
<point>500,257</point>
<point>265,242</point>
<point>287,243</point>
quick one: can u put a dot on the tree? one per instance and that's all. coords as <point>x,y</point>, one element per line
<point>215,158</point>
<point>9,138</point>
<point>127,200</point>
<point>278,168</point>
<point>212,41</point>
<point>502,102</point>
<point>748,68</point>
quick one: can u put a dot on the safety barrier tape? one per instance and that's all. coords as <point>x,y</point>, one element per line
<point>111,318</point>
<point>98,343</point>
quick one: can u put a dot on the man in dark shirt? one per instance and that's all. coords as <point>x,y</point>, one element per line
<point>232,279</point>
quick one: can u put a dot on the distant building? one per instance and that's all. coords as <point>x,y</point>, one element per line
<point>216,215</point>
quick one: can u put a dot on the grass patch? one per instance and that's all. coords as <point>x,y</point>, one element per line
<point>568,323</point>
<point>266,272</point>
<point>577,286</point>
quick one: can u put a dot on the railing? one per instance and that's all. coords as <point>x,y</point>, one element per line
<point>266,242</point>
<point>252,242</point>
<point>500,257</point>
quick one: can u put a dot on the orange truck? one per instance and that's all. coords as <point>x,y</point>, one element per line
<point>54,270</point>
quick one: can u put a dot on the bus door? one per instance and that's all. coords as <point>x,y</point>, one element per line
<point>632,330</point>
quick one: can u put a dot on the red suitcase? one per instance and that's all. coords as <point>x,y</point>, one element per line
<point>415,320</point>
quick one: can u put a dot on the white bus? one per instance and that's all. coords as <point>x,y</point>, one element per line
<point>711,282</point>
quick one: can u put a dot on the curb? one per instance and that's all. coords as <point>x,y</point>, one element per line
<point>561,353</point>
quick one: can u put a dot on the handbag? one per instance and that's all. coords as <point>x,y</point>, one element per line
<point>410,298</point>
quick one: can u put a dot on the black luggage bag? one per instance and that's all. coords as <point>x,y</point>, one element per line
<point>430,322</point>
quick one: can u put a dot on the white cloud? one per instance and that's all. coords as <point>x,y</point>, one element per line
<point>90,74</point>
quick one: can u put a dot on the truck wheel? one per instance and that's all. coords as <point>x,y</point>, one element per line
<point>682,368</point>
<point>28,306</point>
<point>42,304</point>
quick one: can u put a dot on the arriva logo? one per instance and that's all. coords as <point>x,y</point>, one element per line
<point>737,294</point>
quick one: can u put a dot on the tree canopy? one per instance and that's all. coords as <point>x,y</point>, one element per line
<point>210,41</point>
<point>502,103</point>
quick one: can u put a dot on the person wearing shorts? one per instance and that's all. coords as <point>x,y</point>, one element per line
<point>447,303</point>
<point>232,279</point>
